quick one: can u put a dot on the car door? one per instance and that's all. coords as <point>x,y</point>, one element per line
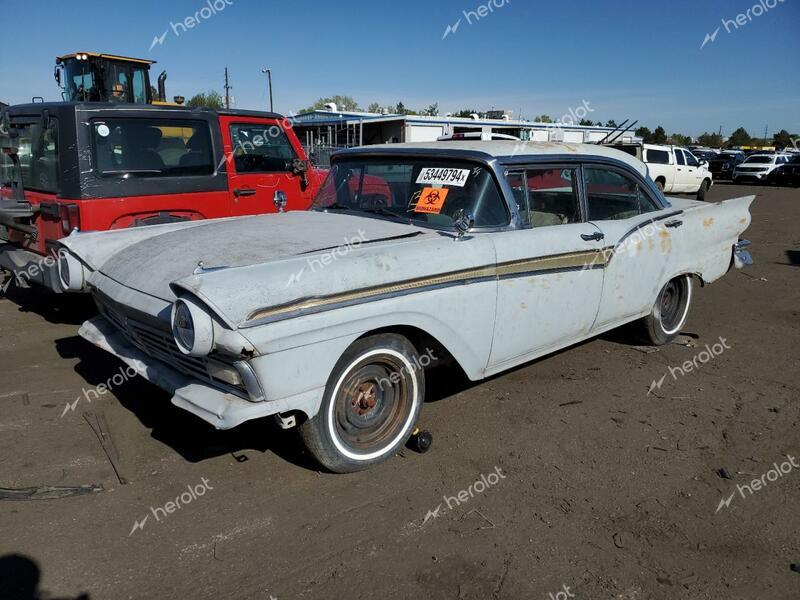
<point>682,178</point>
<point>259,161</point>
<point>640,235</point>
<point>694,172</point>
<point>550,274</point>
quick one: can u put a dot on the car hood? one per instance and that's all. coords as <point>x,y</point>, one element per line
<point>151,260</point>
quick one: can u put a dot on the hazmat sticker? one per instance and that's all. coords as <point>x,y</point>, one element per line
<point>435,176</point>
<point>431,201</point>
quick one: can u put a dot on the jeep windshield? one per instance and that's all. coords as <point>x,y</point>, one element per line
<point>426,192</point>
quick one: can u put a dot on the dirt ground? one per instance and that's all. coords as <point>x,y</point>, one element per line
<point>564,478</point>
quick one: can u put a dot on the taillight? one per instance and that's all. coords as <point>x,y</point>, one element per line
<point>70,217</point>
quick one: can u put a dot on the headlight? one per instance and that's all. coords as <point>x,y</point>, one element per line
<point>192,328</point>
<point>71,272</point>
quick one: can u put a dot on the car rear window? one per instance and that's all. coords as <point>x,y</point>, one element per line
<point>130,148</point>
<point>37,148</point>
<point>658,157</point>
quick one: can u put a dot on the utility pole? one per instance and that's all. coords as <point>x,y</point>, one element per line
<point>766,128</point>
<point>269,76</point>
<point>227,90</point>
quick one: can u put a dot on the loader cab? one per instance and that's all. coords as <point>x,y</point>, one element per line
<point>91,77</point>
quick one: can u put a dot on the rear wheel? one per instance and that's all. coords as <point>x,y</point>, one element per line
<point>701,193</point>
<point>670,312</point>
<point>371,402</point>
<point>660,185</point>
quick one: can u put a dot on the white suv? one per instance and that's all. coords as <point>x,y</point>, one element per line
<point>758,166</point>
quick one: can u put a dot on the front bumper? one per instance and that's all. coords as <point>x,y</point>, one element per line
<point>220,409</point>
<point>29,267</point>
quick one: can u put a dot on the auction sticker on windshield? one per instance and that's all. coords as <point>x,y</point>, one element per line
<point>435,176</point>
<point>431,201</point>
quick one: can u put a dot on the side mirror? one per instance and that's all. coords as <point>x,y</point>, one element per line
<point>279,199</point>
<point>463,221</point>
<point>300,167</point>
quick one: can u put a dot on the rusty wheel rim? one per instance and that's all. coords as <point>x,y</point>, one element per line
<point>373,403</point>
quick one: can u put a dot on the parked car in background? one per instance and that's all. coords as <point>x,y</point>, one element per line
<point>464,251</point>
<point>476,135</point>
<point>786,174</point>
<point>673,169</point>
<point>757,167</point>
<point>704,155</point>
<point>724,163</point>
<point>99,166</point>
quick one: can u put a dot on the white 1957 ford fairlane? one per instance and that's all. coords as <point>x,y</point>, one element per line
<point>491,253</point>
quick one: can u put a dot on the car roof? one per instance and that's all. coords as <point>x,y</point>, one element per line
<point>504,150</point>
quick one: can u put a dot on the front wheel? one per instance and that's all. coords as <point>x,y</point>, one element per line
<point>371,403</point>
<point>670,312</point>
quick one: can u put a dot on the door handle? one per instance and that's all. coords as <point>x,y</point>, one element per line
<point>674,224</point>
<point>592,237</point>
<point>244,192</point>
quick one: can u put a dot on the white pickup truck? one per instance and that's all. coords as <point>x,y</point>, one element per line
<point>672,168</point>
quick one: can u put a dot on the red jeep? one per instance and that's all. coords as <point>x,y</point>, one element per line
<point>98,166</point>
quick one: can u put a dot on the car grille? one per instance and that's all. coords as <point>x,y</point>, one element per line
<point>751,169</point>
<point>159,343</point>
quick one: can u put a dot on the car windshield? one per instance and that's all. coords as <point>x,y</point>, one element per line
<point>760,159</point>
<point>427,192</point>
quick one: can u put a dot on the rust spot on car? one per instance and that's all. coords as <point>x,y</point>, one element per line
<point>664,234</point>
<point>708,222</point>
<point>742,221</point>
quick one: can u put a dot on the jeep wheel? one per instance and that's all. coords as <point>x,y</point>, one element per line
<point>371,402</point>
<point>670,312</point>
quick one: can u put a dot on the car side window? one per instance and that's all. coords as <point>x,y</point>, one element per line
<point>679,157</point>
<point>613,196</point>
<point>261,148</point>
<point>691,160</point>
<point>552,197</point>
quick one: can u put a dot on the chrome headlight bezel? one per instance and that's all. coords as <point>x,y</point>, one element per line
<point>71,272</point>
<point>189,317</point>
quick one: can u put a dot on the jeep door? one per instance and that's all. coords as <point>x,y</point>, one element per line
<point>259,156</point>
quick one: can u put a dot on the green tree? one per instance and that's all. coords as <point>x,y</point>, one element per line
<point>712,140</point>
<point>466,113</point>
<point>645,134</point>
<point>740,137</point>
<point>679,139</point>
<point>543,119</point>
<point>212,99</point>
<point>782,139</point>
<point>659,135</point>
<point>374,108</point>
<point>611,123</point>
<point>345,103</point>
<point>587,122</point>
<point>432,110</point>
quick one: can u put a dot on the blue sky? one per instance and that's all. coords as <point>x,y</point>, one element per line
<point>625,58</point>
